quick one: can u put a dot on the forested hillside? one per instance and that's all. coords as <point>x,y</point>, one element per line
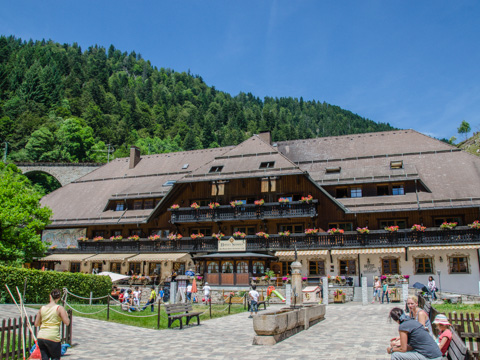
<point>62,103</point>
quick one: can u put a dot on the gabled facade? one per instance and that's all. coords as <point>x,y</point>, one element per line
<point>397,178</point>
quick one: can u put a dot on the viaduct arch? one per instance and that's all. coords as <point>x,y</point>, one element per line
<point>65,173</point>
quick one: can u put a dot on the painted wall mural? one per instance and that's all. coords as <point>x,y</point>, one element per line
<point>63,237</point>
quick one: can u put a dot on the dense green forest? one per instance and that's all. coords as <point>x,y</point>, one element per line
<point>60,103</point>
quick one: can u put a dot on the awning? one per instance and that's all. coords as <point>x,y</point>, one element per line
<point>235,255</point>
<point>110,257</point>
<point>66,257</point>
<point>444,247</point>
<point>301,252</point>
<point>369,251</point>
<point>159,257</point>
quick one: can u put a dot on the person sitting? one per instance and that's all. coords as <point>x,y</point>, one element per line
<point>415,341</point>
<point>444,332</point>
<point>121,296</point>
<point>115,293</point>
<point>419,314</point>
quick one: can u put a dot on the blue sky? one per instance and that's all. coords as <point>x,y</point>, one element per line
<point>413,64</point>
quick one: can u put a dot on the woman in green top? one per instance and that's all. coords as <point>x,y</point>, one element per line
<point>49,318</point>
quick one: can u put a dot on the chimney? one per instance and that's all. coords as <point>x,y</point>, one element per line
<point>134,156</point>
<point>265,136</point>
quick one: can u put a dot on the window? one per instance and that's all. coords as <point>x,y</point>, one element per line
<point>347,267</point>
<point>258,267</point>
<point>202,202</point>
<point>212,267</point>
<point>249,230</point>
<point>157,201</point>
<point>341,192</point>
<point>227,267</point>
<point>116,267</point>
<point>218,189</point>
<point>294,228</point>
<point>390,266</point>
<point>396,164</point>
<point>346,226</point>
<point>148,204</point>
<point>169,182</point>
<point>382,190</point>
<point>97,266</point>
<point>156,232</point>
<point>268,185</point>
<point>401,223</point>
<point>138,205</point>
<point>356,192</point>
<point>116,232</point>
<point>119,206</point>
<point>458,264</point>
<point>179,268</point>
<point>204,231</point>
<point>185,166</point>
<point>154,269</point>
<point>424,265</point>
<point>216,169</point>
<point>398,190</point>
<point>317,267</point>
<point>75,267</point>
<point>97,233</point>
<point>200,267</point>
<point>440,221</point>
<point>135,267</point>
<point>242,267</point>
<point>267,165</point>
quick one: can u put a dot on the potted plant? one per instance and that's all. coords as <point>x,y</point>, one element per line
<point>363,230</point>
<point>262,234</point>
<point>239,234</point>
<point>98,238</point>
<point>339,296</point>
<point>475,225</point>
<point>175,207</point>
<point>134,237</point>
<point>213,205</point>
<point>82,238</point>
<point>334,231</point>
<point>284,233</point>
<point>284,200</point>
<point>195,206</point>
<point>174,236</point>
<point>448,225</point>
<point>218,236</point>
<point>418,228</point>
<point>235,203</point>
<point>392,229</point>
<point>154,237</point>
<point>116,238</point>
<point>259,202</point>
<point>311,231</point>
<point>306,199</point>
<point>197,236</point>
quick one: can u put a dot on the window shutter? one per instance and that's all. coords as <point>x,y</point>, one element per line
<point>264,185</point>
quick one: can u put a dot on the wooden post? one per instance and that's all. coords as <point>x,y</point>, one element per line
<point>158,317</point>
<point>91,295</point>
<point>229,304</point>
<point>108,308</point>
<point>210,302</point>
<point>9,325</point>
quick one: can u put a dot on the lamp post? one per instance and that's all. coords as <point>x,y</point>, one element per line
<point>439,281</point>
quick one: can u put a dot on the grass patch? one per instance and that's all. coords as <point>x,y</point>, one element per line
<point>458,308</point>
<point>137,318</point>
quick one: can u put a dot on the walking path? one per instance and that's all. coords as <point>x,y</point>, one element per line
<point>349,331</point>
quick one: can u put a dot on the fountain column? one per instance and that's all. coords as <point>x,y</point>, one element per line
<point>297,295</point>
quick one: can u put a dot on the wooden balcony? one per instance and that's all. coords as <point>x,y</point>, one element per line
<point>378,238</point>
<point>244,212</point>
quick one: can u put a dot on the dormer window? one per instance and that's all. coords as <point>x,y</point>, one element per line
<point>396,164</point>
<point>398,189</point>
<point>267,164</point>
<point>119,206</point>
<point>185,166</point>
<point>216,169</point>
<point>333,170</point>
<point>169,183</point>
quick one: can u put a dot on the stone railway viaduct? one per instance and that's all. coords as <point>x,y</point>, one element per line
<point>65,173</point>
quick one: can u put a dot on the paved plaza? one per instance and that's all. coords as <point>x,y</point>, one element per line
<point>349,331</point>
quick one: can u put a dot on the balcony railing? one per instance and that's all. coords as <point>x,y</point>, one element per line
<point>378,238</point>
<point>245,212</point>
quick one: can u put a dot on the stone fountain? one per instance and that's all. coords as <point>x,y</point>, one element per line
<point>273,326</point>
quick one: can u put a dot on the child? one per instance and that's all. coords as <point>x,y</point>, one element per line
<point>136,296</point>
<point>445,334</point>
<point>385,291</point>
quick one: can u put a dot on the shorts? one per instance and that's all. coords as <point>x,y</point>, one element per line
<point>253,306</point>
<point>50,349</point>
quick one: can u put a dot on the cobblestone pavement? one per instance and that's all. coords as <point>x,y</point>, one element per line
<point>349,331</point>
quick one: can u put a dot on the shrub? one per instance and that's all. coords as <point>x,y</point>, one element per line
<point>40,283</point>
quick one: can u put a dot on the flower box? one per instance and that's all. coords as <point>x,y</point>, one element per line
<point>134,238</point>
<point>239,234</point>
<point>197,236</point>
<point>154,237</point>
<point>364,230</point>
<point>334,231</point>
<point>284,200</point>
<point>306,199</point>
<point>116,238</point>
<point>236,203</point>
<point>262,234</point>
<point>448,225</point>
<point>311,231</point>
<point>418,228</point>
<point>195,206</point>
<point>284,233</point>
<point>339,297</point>
<point>175,207</point>
<point>213,205</point>
<point>392,229</point>
<point>475,225</point>
<point>174,236</point>
<point>259,202</point>
<point>218,236</point>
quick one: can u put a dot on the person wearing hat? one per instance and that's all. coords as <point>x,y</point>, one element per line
<point>444,332</point>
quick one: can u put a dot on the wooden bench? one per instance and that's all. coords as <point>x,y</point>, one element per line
<point>457,350</point>
<point>179,311</point>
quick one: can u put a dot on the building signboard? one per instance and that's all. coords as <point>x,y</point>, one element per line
<point>63,237</point>
<point>232,245</point>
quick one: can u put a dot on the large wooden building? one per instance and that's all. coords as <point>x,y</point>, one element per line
<point>173,206</point>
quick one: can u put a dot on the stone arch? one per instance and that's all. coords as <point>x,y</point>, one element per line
<point>63,173</point>
<point>49,187</point>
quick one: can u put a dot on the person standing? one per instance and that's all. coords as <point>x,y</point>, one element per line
<point>151,299</point>
<point>136,296</point>
<point>376,289</point>
<point>254,295</point>
<point>385,291</point>
<point>432,287</point>
<point>206,292</point>
<point>189,291</point>
<point>49,318</point>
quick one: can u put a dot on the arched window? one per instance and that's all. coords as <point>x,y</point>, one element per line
<point>258,267</point>
<point>242,267</point>
<point>227,267</point>
<point>212,267</point>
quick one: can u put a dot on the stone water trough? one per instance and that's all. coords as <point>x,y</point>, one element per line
<point>272,327</point>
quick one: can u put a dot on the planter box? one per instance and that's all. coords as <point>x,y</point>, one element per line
<point>340,299</point>
<point>395,295</point>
